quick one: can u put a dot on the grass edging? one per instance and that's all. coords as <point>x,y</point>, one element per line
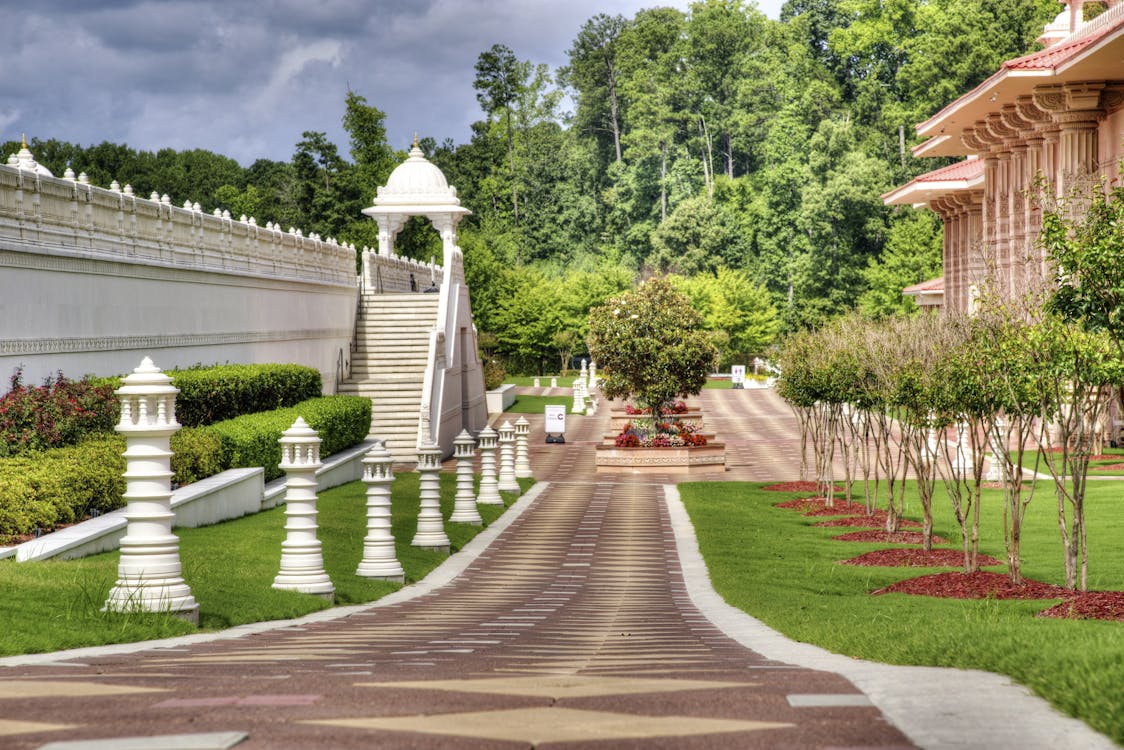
<point>226,608</point>
<point>772,564</point>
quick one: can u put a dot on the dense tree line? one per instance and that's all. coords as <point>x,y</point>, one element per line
<point>715,144</point>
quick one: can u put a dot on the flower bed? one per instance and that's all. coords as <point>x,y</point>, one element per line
<point>671,446</point>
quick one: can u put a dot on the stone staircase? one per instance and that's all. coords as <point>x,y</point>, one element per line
<point>388,365</point>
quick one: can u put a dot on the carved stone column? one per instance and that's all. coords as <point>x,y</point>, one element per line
<point>522,450</point>
<point>489,487</point>
<point>578,407</point>
<point>464,503</point>
<point>506,479</point>
<point>302,562</point>
<point>380,560</point>
<point>431,524</point>
<point>149,574</point>
<point>1076,109</point>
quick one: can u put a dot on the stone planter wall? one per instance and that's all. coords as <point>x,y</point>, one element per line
<point>706,459</point>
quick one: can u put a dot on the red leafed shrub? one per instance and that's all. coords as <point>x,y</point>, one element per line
<point>628,440</point>
<point>60,412</point>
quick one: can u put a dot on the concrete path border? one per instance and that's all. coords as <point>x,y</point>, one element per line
<point>440,576</point>
<point>937,708</point>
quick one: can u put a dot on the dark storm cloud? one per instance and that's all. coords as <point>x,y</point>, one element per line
<point>246,77</point>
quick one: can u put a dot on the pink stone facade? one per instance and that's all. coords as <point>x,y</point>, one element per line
<point>1056,115</point>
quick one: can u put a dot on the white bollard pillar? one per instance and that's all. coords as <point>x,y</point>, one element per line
<point>302,562</point>
<point>431,525</point>
<point>591,408</point>
<point>149,574</point>
<point>506,477</point>
<point>963,450</point>
<point>489,487</point>
<point>522,449</point>
<point>578,407</point>
<point>996,469</point>
<point>554,382</point>
<point>464,503</point>
<point>592,376</point>
<point>537,383</point>
<point>380,560</point>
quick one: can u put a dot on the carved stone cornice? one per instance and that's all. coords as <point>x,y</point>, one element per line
<point>999,129</point>
<point>975,140</point>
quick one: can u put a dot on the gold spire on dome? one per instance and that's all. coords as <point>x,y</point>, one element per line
<point>23,141</point>
<point>415,139</point>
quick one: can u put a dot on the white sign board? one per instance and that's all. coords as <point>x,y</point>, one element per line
<point>555,420</point>
<point>737,374</point>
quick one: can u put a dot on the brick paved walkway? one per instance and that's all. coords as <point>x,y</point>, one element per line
<point>573,629</point>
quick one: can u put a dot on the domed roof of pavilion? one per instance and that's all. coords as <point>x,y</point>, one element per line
<point>417,185</point>
<point>24,160</point>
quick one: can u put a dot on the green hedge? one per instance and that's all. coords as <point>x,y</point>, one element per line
<point>214,394</point>
<point>342,421</point>
<point>63,485</point>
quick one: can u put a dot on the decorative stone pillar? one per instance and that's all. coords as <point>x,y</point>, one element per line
<point>522,452</point>
<point>464,503</point>
<point>379,558</point>
<point>149,574</point>
<point>489,487</point>
<point>506,478</point>
<point>302,563</point>
<point>996,464</point>
<point>578,407</point>
<point>592,376</point>
<point>431,526</point>
<point>536,383</point>
<point>554,382</point>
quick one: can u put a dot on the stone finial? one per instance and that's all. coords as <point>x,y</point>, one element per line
<point>154,197</point>
<point>522,449</point>
<point>464,503</point>
<point>506,477</point>
<point>431,526</point>
<point>302,562</point>
<point>187,205</point>
<point>166,199</point>
<point>115,186</point>
<point>68,174</point>
<point>243,218</point>
<point>149,572</point>
<point>196,207</point>
<point>84,178</point>
<point>128,189</point>
<point>379,558</point>
<point>225,214</point>
<point>489,488</point>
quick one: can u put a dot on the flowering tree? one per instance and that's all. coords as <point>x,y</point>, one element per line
<point>650,344</point>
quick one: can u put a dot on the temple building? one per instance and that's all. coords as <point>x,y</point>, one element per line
<point>1057,113</point>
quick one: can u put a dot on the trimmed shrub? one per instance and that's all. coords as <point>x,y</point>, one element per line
<point>197,453</point>
<point>63,485</point>
<point>251,440</point>
<point>214,394</point>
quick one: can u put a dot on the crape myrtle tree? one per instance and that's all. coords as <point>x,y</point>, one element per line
<point>1082,239</point>
<point>650,345</point>
<point>964,395</point>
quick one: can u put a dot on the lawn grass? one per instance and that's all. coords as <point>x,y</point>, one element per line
<point>773,564</point>
<point>528,381</point>
<point>536,404</point>
<point>1096,468</point>
<point>47,606</point>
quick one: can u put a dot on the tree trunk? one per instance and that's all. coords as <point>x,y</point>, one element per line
<point>728,152</point>
<point>663,181</point>
<point>511,160</point>
<point>614,117</point>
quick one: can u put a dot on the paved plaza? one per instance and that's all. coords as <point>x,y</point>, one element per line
<point>583,618</point>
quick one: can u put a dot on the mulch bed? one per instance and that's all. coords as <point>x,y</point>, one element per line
<point>1108,467</point>
<point>875,521</point>
<point>979,585</point>
<point>804,486</point>
<point>1089,605</point>
<point>817,506</point>
<point>897,537</point>
<point>915,558</point>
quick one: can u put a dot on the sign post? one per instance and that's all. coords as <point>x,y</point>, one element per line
<point>555,423</point>
<point>737,376</point>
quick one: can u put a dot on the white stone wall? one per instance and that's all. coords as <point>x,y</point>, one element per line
<point>92,279</point>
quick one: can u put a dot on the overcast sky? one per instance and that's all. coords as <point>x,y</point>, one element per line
<point>246,77</point>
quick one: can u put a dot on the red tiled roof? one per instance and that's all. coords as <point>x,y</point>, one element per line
<point>932,285</point>
<point>1053,56</point>
<point>967,169</point>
